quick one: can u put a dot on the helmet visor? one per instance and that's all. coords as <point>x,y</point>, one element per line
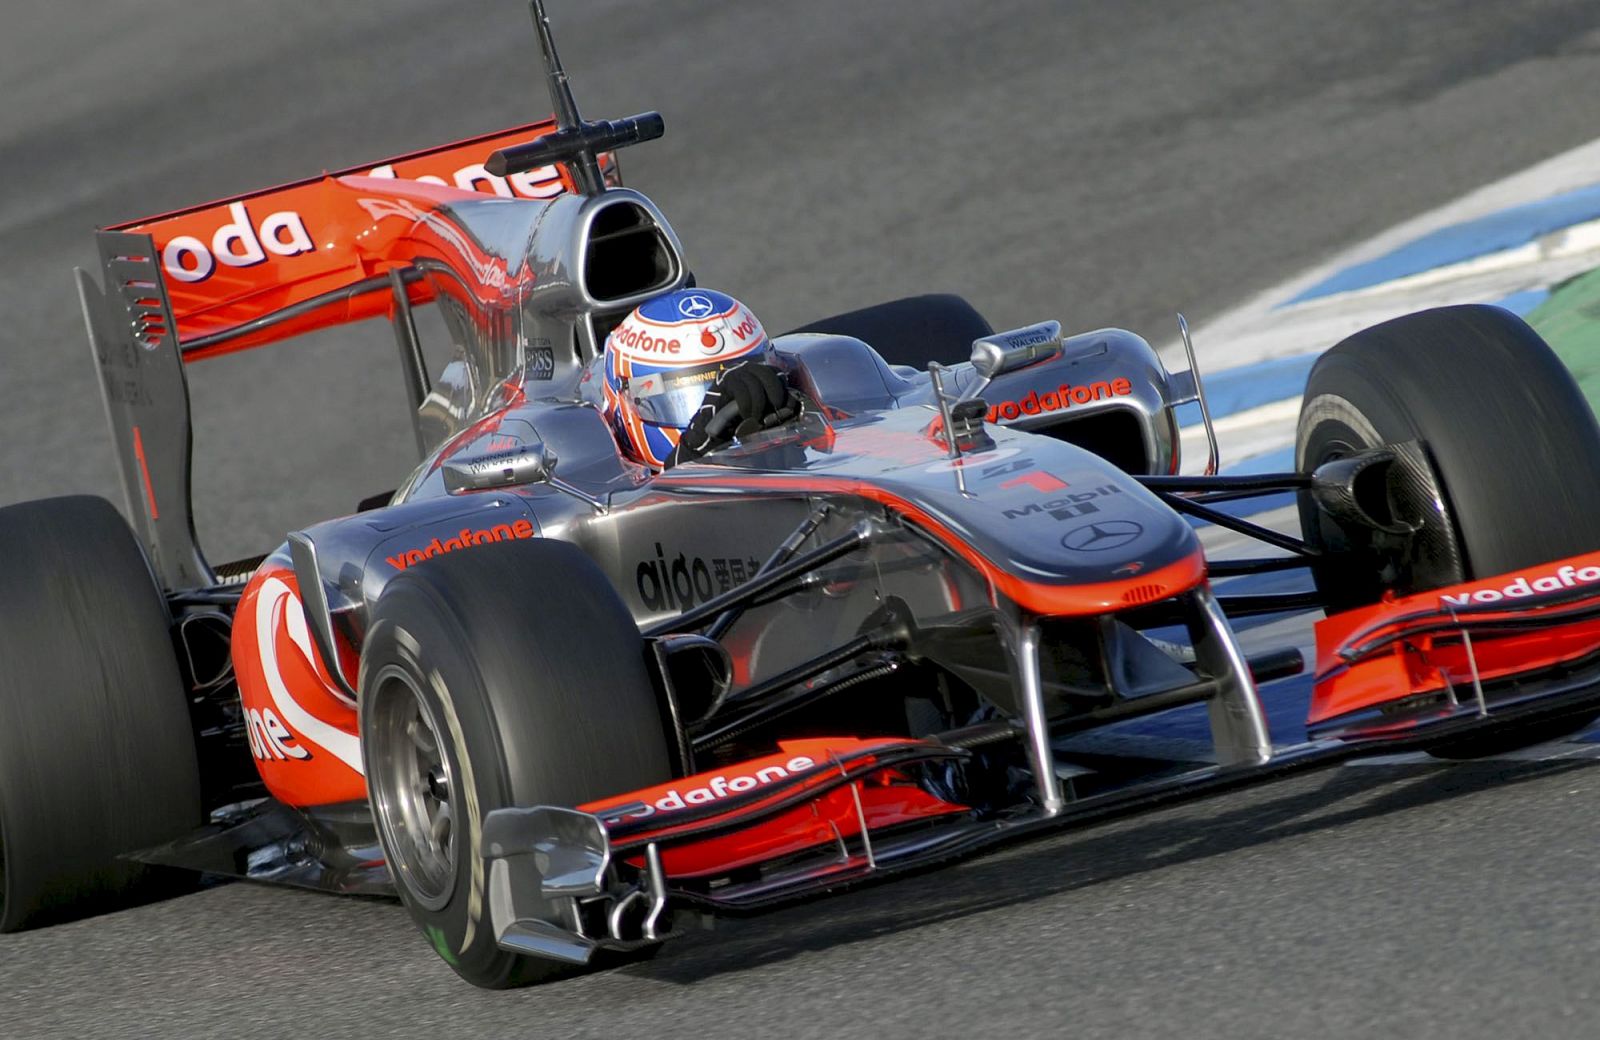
<point>671,398</point>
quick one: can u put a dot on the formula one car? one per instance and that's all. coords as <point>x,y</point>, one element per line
<point>562,704</point>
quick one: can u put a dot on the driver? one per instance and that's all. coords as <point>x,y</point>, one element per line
<point>686,373</point>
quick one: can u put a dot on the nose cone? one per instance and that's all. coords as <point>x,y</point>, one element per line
<point>1062,531</point>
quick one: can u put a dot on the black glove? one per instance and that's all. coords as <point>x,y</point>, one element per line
<point>744,399</point>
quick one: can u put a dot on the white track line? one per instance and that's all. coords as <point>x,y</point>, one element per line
<point>1254,332</point>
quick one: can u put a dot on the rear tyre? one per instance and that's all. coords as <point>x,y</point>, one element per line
<point>912,331</point>
<point>1506,431</point>
<point>97,753</point>
<point>511,675</point>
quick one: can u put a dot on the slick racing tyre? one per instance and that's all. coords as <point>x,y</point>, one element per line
<point>1506,433</point>
<point>511,675</point>
<point>97,751</point>
<point>912,331</point>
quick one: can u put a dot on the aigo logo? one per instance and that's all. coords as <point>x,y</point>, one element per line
<point>238,243</point>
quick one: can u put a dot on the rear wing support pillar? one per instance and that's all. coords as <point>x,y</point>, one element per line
<point>411,361</point>
<point>135,343</point>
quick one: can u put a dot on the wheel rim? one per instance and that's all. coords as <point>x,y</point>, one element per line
<point>411,785</point>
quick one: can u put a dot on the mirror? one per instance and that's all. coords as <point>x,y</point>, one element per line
<point>527,464</point>
<point>1008,351</point>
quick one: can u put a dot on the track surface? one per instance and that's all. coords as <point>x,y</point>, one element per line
<point>1102,163</point>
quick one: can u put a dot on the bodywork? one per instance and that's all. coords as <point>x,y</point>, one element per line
<point>1049,567</point>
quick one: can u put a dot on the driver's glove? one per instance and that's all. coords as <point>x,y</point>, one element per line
<point>746,398</point>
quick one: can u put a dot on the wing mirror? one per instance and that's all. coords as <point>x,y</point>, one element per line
<point>526,464</point>
<point>1004,352</point>
<point>1008,351</point>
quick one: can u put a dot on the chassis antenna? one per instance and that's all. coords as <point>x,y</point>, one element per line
<point>575,144</point>
<point>561,99</point>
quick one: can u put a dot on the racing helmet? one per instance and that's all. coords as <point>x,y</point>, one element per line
<point>663,357</point>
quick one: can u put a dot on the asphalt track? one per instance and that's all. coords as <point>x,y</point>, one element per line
<point>1103,163</point>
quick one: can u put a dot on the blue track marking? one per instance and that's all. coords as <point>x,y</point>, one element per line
<point>1452,245</point>
<point>1239,389</point>
<point>1522,303</point>
<point>1280,460</point>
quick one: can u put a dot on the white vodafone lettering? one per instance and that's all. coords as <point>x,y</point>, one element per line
<point>198,266</point>
<point>722,786</point>
<point>284,233</point>
<point>1520,587</point>
<point>469,177</point>
<point>270,738</point>
<point>541,182</point>
<point>237,243</point>
<point>278,602</point>
<point>386,171</point>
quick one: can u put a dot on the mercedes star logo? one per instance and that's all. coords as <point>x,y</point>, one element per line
<point>695,306</point>
<point>1101,535</point>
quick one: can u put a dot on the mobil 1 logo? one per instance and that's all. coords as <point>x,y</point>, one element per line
<point>1066,507</point>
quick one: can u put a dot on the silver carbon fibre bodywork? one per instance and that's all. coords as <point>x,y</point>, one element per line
<point>999,545</point>
<point>932,581</point>
<point>1002,566</point>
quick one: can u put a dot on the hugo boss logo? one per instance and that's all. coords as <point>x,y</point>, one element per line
<point>541,361</point>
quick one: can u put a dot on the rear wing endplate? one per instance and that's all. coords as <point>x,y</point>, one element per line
<point>135,342</point>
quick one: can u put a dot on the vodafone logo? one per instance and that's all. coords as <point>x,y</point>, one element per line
<point>637,341</point>
<point>1061,398</point>
<point>742,330</point>
<point>541,182</point>
<point>1521,587</point>
<point>269,737</point>
<point>277,730</point>
<point>238,243</point>
<point>721,786</point>
<point>711,342</point>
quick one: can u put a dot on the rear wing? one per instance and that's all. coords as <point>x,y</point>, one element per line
<point>227,264</point>
<point>249,270</point>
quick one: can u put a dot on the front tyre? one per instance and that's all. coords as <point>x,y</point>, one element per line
<point>1509,440</point>
<point>510,675</point>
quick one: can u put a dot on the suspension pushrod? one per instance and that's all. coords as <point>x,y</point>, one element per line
<point>764,708</point>
<point>781,555</point>
<point>1254,565</point>
<point>1258,482</point>
<point>1279,603</point>
<point>1234,523</point>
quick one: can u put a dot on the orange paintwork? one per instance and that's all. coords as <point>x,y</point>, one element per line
<point>1423,663</point>
<point>887,798</point>
<point>302,728</point>
<point>234,260</point>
